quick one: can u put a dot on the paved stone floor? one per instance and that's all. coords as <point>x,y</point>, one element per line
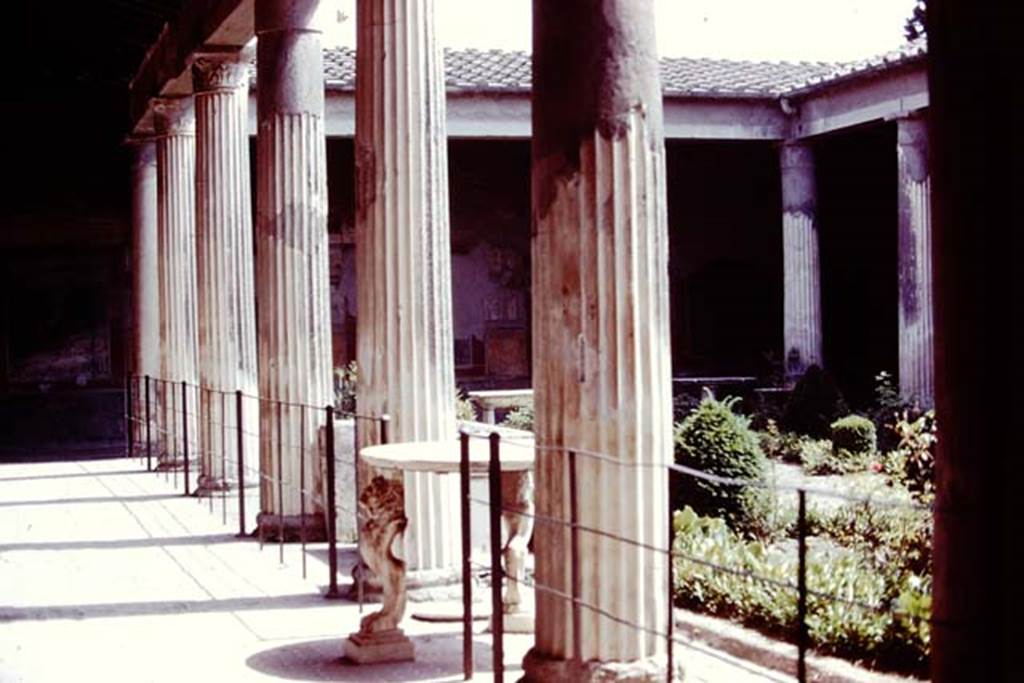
<point>107,573</point>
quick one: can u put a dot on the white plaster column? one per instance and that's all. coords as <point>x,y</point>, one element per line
<point>224,250</point>
<point>403,260</point>
<point>145,282</point>
<point>601,354</point>
<point>917,358</point>
<point>292,280</point>
<point>801,305</point>
<point>174,121</point>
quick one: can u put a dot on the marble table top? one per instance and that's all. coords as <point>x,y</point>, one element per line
<point>443,456</point>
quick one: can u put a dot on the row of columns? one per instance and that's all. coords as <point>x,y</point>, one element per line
<point>802,319</point>
<point>600,285</point>
<point>199,274</point>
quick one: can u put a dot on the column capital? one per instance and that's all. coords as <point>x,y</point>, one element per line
<point>174,116</point>
<point>217,71</point>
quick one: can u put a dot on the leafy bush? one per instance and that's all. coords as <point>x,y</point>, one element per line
<point>784,446</point>
<point>520,418</point>
<point>345,388</point>
<point>814,404</point>
<point>912,462</point>
<point>855,434</point>
<point>888,405</point>
<point>817,457</point>
<point>716,440</point>
<point>834,626</point>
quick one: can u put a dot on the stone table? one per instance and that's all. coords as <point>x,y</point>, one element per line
<point>382,521</point>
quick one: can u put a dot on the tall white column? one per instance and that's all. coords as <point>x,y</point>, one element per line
<point>174,121</point>
<point>403,260</point>
<point>601,354</point>
<point>292,279</point>
<point>145,280</point>
<point>801,305</point>
<point>917,358</point>
<point>224,248</point>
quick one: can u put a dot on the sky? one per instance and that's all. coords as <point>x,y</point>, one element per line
<point>786,30</point>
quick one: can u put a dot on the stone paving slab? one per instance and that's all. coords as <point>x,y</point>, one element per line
<point>108,574</point>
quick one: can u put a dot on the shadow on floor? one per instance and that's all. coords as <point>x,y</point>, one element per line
<point>96,499</point>
<point>121,544</point>
<point>71,475</point>
<point>135,609</point>
<point>439,657</point>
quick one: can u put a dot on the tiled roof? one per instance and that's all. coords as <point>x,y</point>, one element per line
<point>503,71</point>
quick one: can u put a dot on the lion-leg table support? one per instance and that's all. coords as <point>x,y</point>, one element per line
<point>382,520</point>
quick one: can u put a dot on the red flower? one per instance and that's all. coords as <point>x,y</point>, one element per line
<point>876,467</point>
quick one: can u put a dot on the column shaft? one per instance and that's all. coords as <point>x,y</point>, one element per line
<point>175,127</point>
<point>917,359</point>
<point>801,306</point>
<point>227,306</point>
<point>291,266</point>
<point>145,279</point>
<point>405,348</point>
<point>602,371</point>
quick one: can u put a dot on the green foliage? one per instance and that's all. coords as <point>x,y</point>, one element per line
<point>345,388</point>
<point>520,418</point>
<point>716,440</point>
<point>855,434</point>
<point>834,626</point>
<point>853,445</point>
<point>784,446</point>
<point>814,405</point>
<point>912,462</point>
<point>817,458</point>
<point>464,409</point>
<point>888,405</point>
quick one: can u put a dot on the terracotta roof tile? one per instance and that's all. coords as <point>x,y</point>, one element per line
<point>505,71</point>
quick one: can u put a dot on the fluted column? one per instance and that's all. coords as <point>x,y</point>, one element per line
<point>403,260</point>
<point>917,359</point>
<point>174,121</point>
<point>145,279</point>
<point>601,355</point>
<point>294,324</point>
<point>801,305</point>
<point>224,250</point>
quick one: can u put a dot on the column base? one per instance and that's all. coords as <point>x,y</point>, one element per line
<point>209,486</point>
<point>293,528</point>
<point>385,646</point>
<point>168,464</point>
<point>538,668</point>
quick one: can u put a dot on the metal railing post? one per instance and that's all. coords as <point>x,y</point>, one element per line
<point>385,424</point>
<point>130,424</point>
<point>184,429</point>
<point>330,520</point>
<point>149,437</point>
<point>801,605</point>
<point>467,571</point>
<point>241,463</point>
<point>497,608</point>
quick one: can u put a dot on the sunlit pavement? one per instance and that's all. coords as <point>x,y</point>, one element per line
<point>108,573</point>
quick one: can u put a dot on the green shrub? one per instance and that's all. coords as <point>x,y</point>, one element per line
<point>855,434</point>
<point>814,404</point>
<point>520,418</point>
<point>886,410</point>
<point>784,446</point>
<point>716,440</point>
<point>912,462</point>
<point>899,641</point>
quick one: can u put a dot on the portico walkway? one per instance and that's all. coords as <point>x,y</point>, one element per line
<point>106,573</point>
